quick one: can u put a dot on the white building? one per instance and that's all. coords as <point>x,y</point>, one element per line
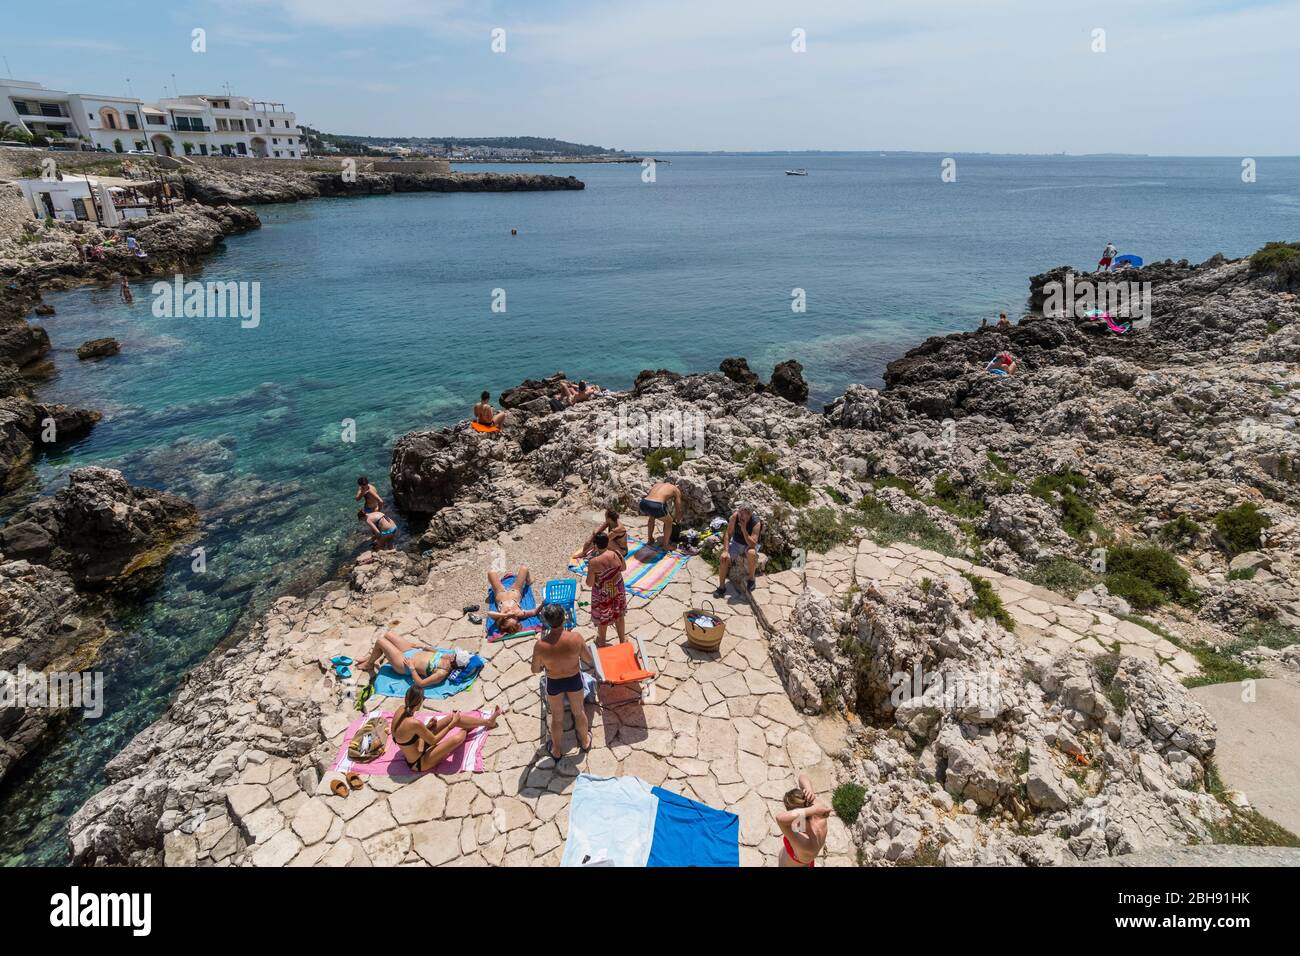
<point>210,125</point>
<point>199,125</point>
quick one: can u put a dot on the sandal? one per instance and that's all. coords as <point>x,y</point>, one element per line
<point>355,781</point>
<point>469,609</point>
<point>553,756</point>
<point>476,619</point>
<point>340,788</point>
<point>343,671</point>
<point>341,659</point>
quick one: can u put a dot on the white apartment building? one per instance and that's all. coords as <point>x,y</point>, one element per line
<point>192,125</point>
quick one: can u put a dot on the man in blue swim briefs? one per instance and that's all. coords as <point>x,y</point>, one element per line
<point>560,653</point>
<point>662,501</point>
<point>365,490</point>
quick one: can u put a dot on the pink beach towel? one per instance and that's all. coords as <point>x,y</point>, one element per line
<point>467,758</point>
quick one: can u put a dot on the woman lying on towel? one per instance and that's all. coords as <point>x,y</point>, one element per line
<point>427,668</point>
<point>426,745</point>
<point>803,825</point>
<point>509,616</point>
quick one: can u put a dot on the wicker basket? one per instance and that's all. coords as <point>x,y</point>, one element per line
<point>704,638</point>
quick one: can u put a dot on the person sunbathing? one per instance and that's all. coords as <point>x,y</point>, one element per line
<point>426,745</point>
<point>1001,364</point>
<point>509,615</point>
<point>803,825</point>
<point>426,667</point>
<point>484,415</point>
<point>585,391</point>
<point>612,526</point>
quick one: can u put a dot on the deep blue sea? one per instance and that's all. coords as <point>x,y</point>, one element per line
<point>379,310</point>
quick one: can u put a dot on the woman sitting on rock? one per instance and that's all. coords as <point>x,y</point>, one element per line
<point>427,668</point>
<point>426,745</point>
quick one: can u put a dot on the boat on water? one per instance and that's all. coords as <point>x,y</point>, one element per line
<point>797,172</point>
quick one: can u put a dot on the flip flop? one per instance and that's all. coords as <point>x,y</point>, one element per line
<point>550,754</point>
<point>355,781</point>
<point>341,659</point>
<point>343,671</point>
<point>340,788</point>
<point>469,609</point>
<point>476,619</point>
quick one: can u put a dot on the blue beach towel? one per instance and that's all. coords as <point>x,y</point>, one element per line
<point>688,833</point>
<point>389,683</point>
<point>528,602</point>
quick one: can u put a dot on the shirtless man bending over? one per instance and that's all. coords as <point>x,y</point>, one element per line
<point>508,615</point>
<point>560,652</point>
<point>663,500</point>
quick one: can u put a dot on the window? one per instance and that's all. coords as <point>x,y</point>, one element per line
<point>155,120</point>
<point>51,109</point>
<point>243,150</point>
<point>203,148</point>
<point>110,121</point>
<point>132,121</point>
<point>259,124</point>
<point>275,141</point>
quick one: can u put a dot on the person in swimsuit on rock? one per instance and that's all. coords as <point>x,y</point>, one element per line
<point>803,825</point>
<point>509,615</point>
<point>427,668</point>
<point>608,594</point>
<point>484,415</point>
<point>1001,364</point>
<point>612,526</point>
<point>125,289</point>
<point>383,530</point>
<point>365,490</point>
<point>560,653</point>
<point>663,500</point>
<point>426,745</point>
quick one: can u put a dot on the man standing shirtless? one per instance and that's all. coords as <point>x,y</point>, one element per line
<point>663,500</point>
<point>560,653</point>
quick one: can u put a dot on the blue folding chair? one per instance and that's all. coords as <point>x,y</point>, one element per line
<point>564,592</point>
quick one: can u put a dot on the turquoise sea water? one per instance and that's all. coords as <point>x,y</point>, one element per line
<point>378,310</point>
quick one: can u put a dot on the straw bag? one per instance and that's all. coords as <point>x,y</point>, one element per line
<point>369,741</point>
<point>704,637</point>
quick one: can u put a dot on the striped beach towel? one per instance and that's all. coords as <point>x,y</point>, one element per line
<point>649,568</point>
<point>467,758</point>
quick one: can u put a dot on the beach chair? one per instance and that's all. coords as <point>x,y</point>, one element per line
<point>624,663</point>
<point>564,592</point>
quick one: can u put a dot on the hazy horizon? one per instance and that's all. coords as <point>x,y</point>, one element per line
<point>1164,78</point>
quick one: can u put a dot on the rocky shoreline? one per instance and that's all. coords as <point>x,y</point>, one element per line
<point>1115,520</point>
<point>40,257</point>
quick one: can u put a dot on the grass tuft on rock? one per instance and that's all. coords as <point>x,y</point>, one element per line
<point>1063,576</point>
<point>660,461</point>
<point>1245,827</point>
<point>987,603</point>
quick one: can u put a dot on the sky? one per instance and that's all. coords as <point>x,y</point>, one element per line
<point>1164,77</point>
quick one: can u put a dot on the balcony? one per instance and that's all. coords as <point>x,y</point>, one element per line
<point>191,129</point>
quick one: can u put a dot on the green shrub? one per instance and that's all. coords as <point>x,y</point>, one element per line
<point>987,602</point>
<point>1242,574</point>
<point>1066,480</point>
<point>954,499</point>
<point>1216,664</point>
<point>890,481</point>
<point>847,801</point>
<point>1147,576</point>
<point>1063,576</point>
<point>1063,490</point>
<point>1239,527</point>
<point>1281,259</point>
<point>1180,532</point>
<point>1106,666</point>
<point>759,463</point>
<point>660,461</point>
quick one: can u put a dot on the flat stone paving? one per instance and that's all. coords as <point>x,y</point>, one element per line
<point>716,727</point>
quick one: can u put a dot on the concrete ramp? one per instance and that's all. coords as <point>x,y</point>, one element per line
<point>1259,744</point>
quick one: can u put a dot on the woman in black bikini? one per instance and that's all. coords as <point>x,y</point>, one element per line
<point>425,745</point>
